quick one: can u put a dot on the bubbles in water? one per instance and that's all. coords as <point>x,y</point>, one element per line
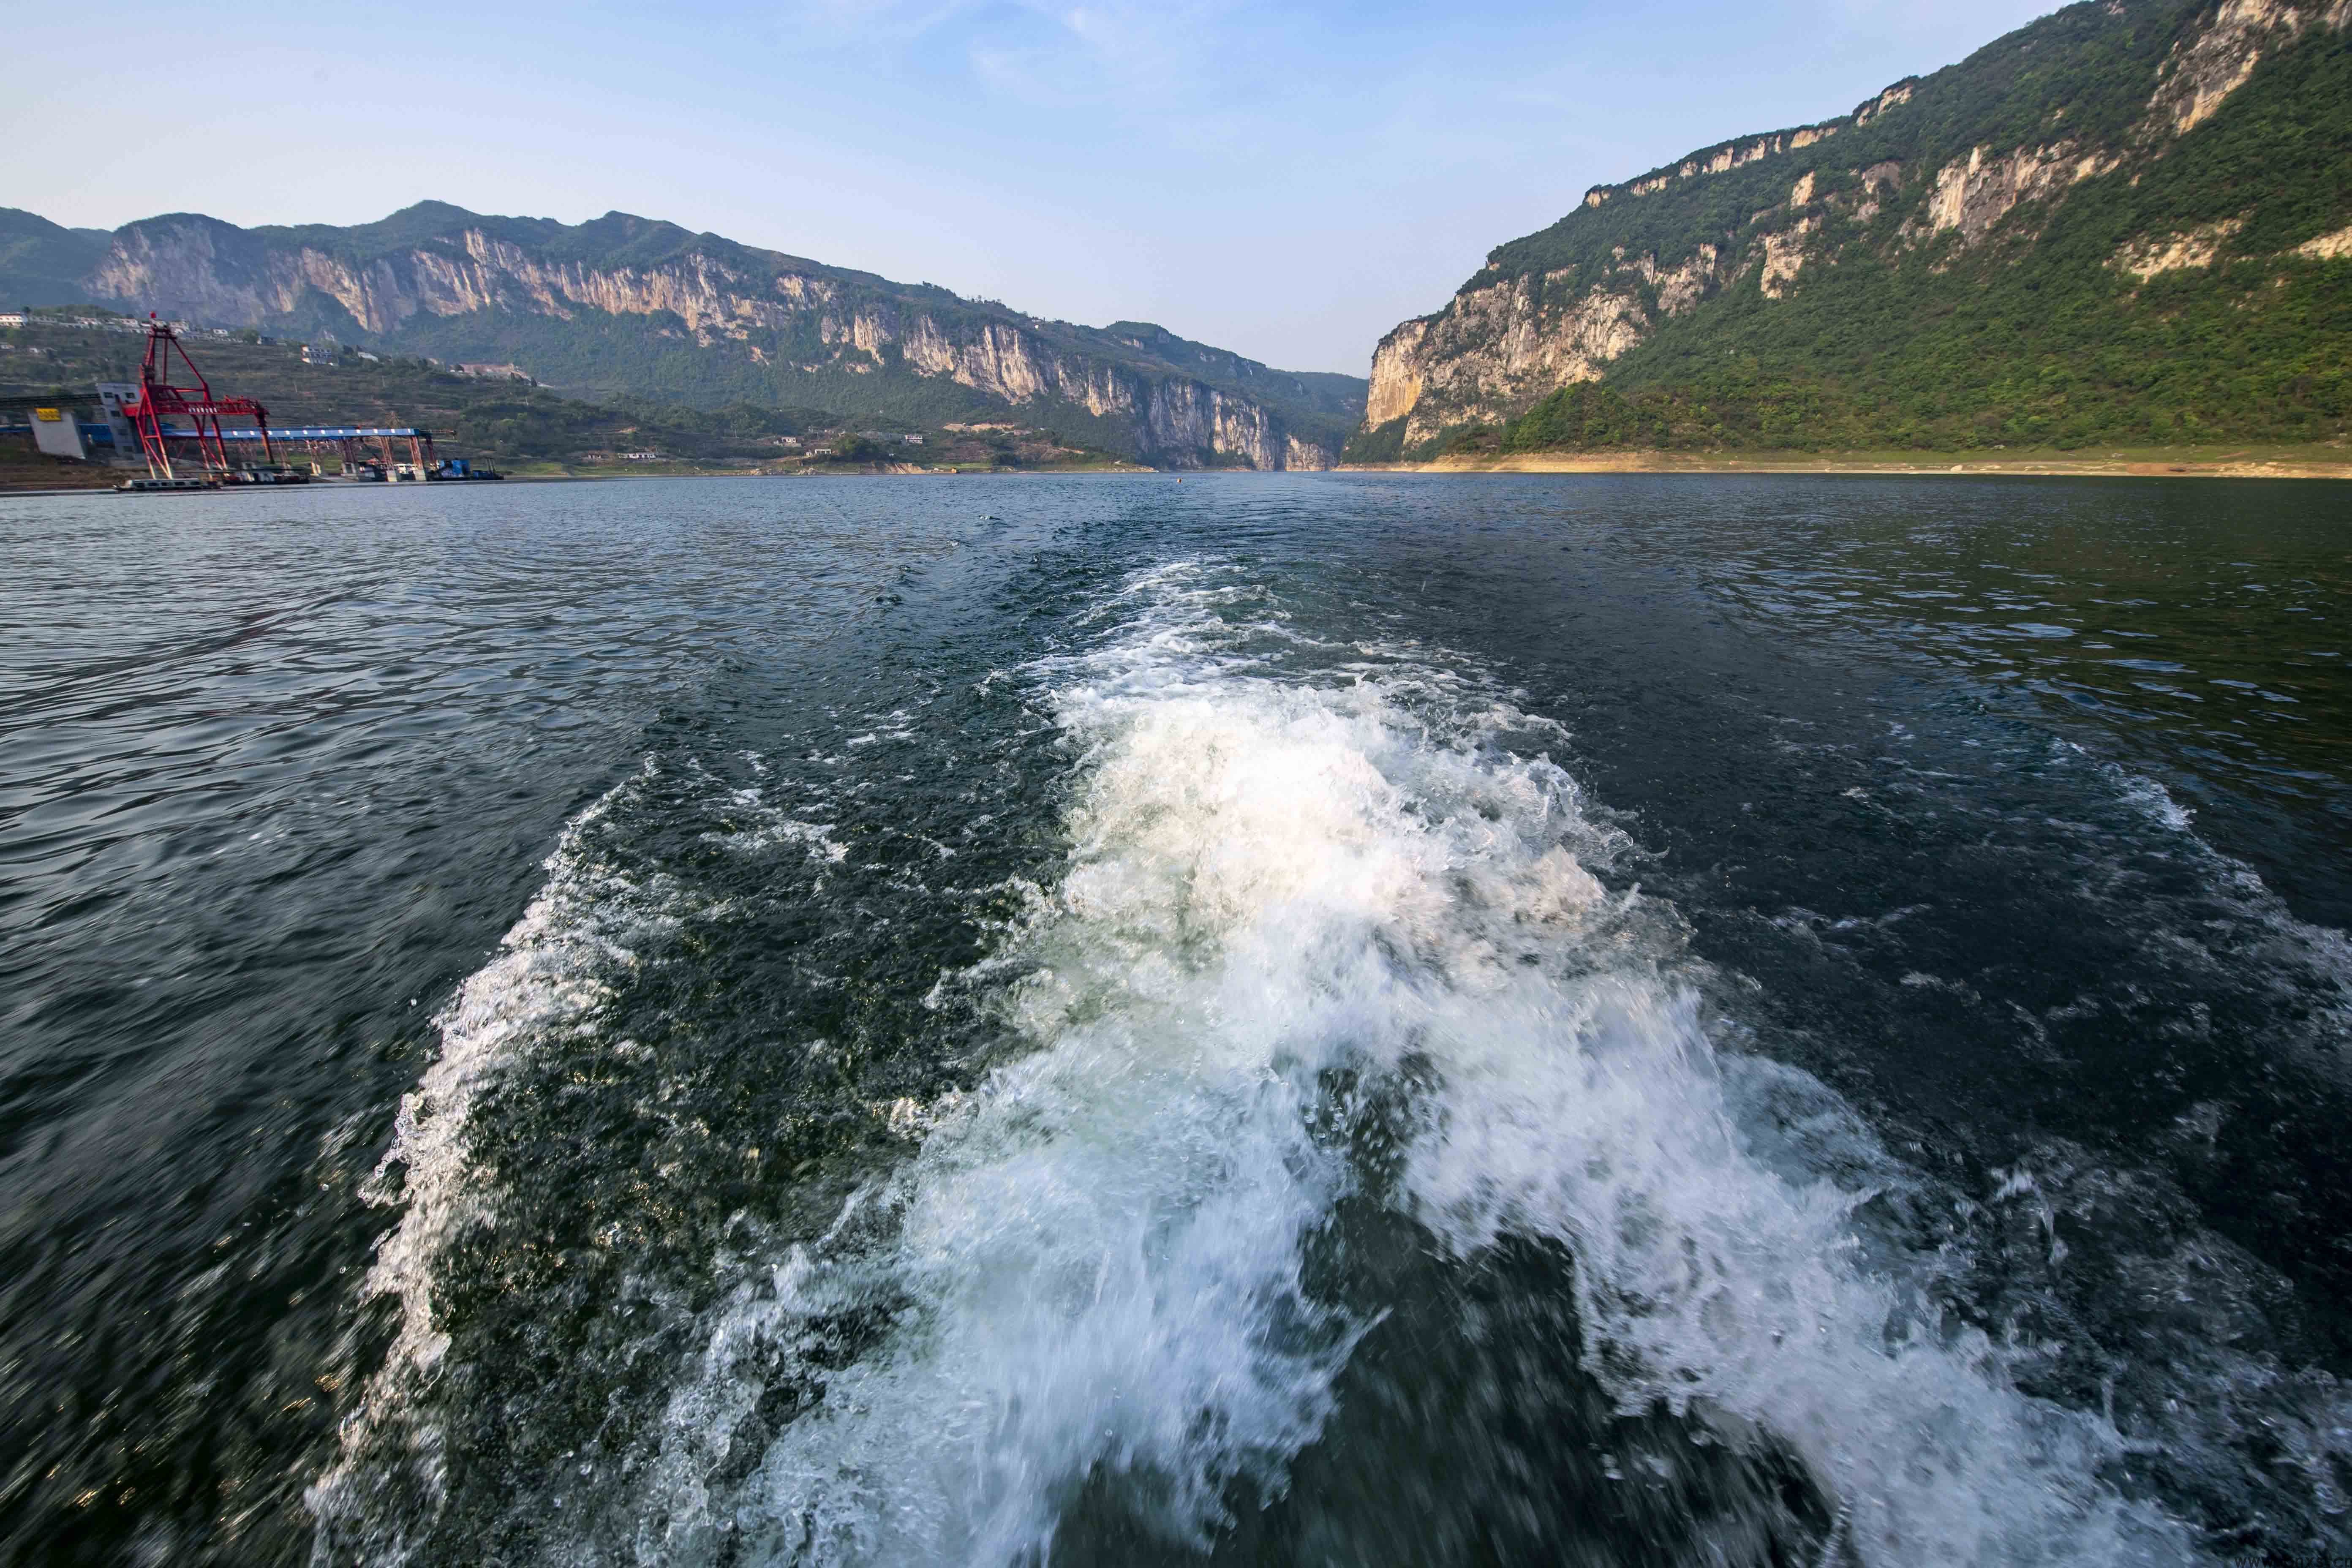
<point>550,975</point>
<point>1281,889</point>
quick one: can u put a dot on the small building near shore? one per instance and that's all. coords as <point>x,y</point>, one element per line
<point>75,428</point>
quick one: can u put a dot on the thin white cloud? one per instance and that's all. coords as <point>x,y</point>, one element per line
<point>837,23</point>
<point>1286,179</point>
<point>1161,60</point>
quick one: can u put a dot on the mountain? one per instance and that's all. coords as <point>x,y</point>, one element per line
<point>42,263</point>
<point>2128,221</point>
<point>626,305</point>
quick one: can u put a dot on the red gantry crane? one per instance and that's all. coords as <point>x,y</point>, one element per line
<point>199,411</point>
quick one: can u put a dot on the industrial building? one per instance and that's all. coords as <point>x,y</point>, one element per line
<point>163,427</point>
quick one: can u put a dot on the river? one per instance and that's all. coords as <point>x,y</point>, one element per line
<point>1314,1019</point>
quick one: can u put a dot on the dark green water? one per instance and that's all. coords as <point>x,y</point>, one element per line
<point>1310,1019</point>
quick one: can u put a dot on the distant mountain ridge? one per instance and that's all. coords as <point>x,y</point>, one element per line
<point>42,263</point>
<point>625,304</point>
<point>2128,221</point>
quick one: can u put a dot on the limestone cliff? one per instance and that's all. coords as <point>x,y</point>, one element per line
<point>622,304</point>
<point>1962,173</point>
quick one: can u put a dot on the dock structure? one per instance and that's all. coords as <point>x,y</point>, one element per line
<point>351,440</point>
<point>160,414</point>
<point>193,412</point>
<point>175,428</point>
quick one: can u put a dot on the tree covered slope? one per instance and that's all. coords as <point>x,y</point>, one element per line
<point>43,263</point>
<point>629,306</point>
<point>2130,221</point>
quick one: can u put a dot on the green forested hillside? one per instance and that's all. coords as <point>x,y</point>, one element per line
<point>507,422</point>
<point>2051,323</point>
<point>630,307</point>
<point>43,263</point>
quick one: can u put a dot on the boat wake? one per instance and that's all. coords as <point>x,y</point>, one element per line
<point>1335,935</point>
<point>1322,938</point>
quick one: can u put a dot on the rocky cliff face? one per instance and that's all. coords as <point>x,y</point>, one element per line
<point>1972,159</point>
<point>440,279</point>
<point>1501,346</point>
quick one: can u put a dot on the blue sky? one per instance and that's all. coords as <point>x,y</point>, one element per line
<point>1288,181</point>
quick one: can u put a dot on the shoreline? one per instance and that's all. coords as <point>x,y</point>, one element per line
<point>2236,463</point>
<point>8,490</point>
<point>2242,463</point>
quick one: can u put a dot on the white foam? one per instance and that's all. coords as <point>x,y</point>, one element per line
<point>1094,1261</point>
<point>770,827</point>
<point>2318,957</point>
<point>547,981</point>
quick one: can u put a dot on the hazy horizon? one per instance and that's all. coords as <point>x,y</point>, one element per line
<point>1285,183</point>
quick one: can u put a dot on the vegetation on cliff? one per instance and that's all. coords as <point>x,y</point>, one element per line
<point>512,424</point>
<point>629,307</point>
<point>2027,248</point>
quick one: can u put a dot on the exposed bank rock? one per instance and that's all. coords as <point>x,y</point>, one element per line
<point>1962,173</point>
<point>625,304</point>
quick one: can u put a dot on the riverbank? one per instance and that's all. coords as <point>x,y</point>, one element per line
<point>2248,462</point>
<point>23,470</point>
<point>46,478</point>
<point>803,470</point>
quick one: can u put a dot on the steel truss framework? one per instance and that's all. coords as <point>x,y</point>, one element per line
<point>158,400</point>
